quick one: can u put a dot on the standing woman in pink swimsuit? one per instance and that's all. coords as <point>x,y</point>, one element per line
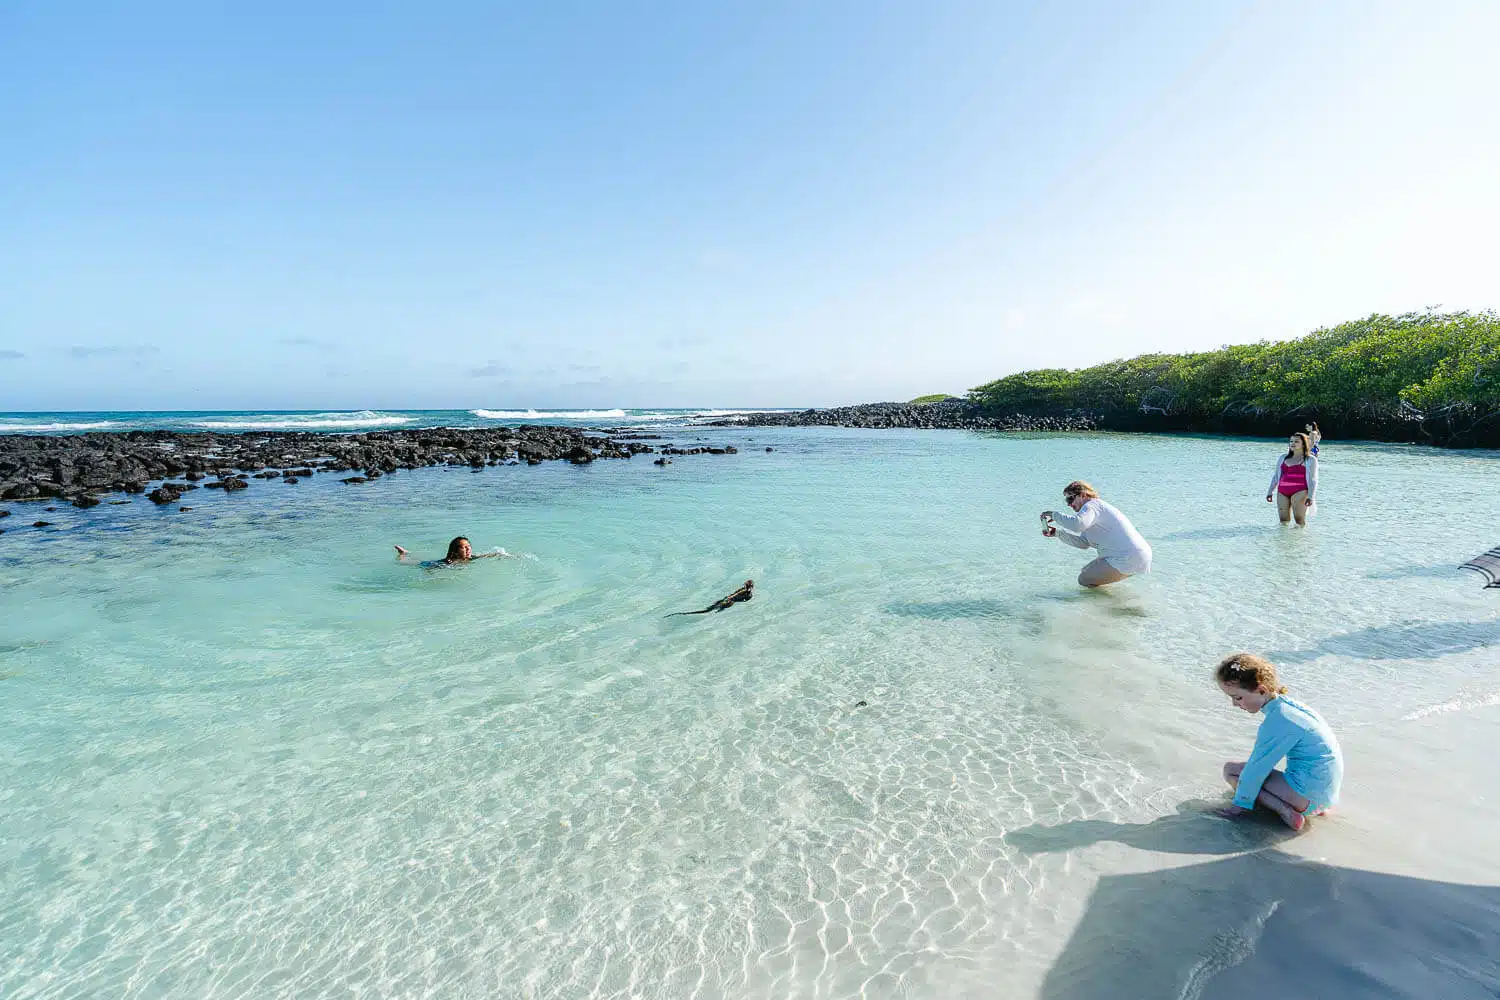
<point>1294,484</point>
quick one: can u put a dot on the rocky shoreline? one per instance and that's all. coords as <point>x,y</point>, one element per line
<point>1454,427</point>
<point>948,414</point>
<point>79,468</point>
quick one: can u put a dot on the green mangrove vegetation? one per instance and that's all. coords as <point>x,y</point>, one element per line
<point>1367,376</point>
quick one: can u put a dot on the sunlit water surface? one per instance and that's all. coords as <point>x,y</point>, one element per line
<point>248,755</point>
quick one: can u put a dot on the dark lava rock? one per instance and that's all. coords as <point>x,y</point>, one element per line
<point>167,493</point>
<point>662,461</point>
<point>118,503</point>
<point>184,509</point>
<point>70,466</point>
<point>217,484</point>
<point>4,513</point>
<point>861,704</point>
<point>50,510</point>
<point>354,479</point>
<point>41,524</point>
<point>291,479</point>
<point>949,414</point>
<point>769,448</point>
<point>85,502</point>
<point>232,484</point>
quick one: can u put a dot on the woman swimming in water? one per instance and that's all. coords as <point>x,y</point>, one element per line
<point>459,551</point>
<point>1314,763</point>
<point>1095,524</point>
<point>1294,484</point>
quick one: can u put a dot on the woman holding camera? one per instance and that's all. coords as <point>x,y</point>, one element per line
<point>1094,524</point>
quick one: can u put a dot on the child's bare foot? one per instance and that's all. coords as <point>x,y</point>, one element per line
<point>1289,816</point>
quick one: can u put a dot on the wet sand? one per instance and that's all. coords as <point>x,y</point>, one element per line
<point>1393,896</point>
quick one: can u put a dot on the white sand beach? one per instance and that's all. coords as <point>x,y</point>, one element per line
<point>1394,895</point>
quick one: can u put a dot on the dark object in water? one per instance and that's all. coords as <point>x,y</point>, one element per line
<point>41,524</point>
<point>861,704</point>
<point>745,593</point>
<point>1488,565</point>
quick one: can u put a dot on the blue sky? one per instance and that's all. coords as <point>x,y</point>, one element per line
<point>347,206</point>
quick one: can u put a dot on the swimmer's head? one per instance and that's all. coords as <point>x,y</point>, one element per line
<point>749,584</point>
<point>1248,680</point>
<point>459,550</point>
<point>1299,445</point>
<point>1077,493</point>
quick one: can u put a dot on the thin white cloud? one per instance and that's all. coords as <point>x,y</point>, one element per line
<point>83,353</point>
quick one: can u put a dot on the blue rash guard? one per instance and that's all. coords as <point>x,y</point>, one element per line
<point>1314,763</point>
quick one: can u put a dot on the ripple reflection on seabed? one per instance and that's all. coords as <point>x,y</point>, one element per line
<point>1267,924</point>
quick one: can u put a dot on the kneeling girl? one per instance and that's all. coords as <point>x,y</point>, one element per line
<point>1289,729</point>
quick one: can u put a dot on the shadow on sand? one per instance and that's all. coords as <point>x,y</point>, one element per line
<point>1218,534</point>
<point>1419,572</point>
<point>1409,641</point>
<point>974,607</point>
<point>1191,830</point>
<point>1114,604</point>
<point>1265,923</point>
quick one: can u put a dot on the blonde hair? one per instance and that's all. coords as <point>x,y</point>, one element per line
<point>1080,488</point>
<point>1248,671</point>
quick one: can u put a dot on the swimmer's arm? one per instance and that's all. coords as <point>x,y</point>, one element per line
<point>1311,461</point>
<point>401,555</point>
<point>497,554</point>
<point>1275,479</point>
<point>1270,747</point>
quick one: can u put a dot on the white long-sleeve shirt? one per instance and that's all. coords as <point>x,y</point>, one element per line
<point>1311,461</point>
<point>1100,525</point>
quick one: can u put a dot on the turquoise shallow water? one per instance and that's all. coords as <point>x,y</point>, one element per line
<point>248,755</point>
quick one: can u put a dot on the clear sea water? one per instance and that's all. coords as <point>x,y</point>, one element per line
<point>247,754</point>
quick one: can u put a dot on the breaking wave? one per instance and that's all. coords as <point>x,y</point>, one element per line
<point>305,421</point>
